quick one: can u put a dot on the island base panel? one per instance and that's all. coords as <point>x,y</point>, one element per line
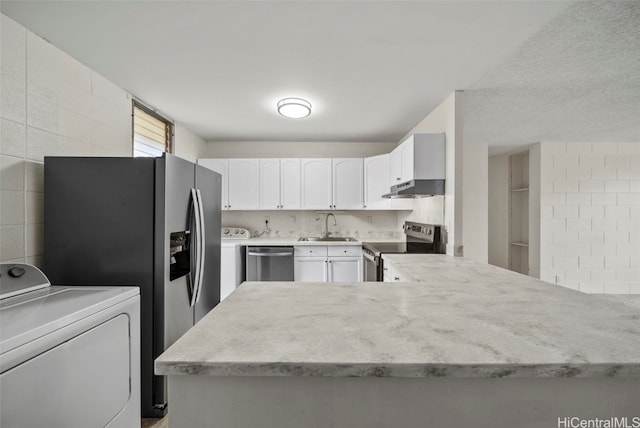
<point>320,402</point>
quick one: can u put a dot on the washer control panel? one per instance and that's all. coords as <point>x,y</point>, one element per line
<point>234,233</point>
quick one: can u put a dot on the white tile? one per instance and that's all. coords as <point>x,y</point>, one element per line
<point>579,275</point>
<point>565,211</point>
<point>579,199</point>
<point>616,186</point>
<point>591,262</point>
<point>578,148</point>
<point>617,237</point>
<point>634,186</point>
<point>34,176</point>
<point>592,161</point>
<point>616,262</point>
<point>553,199</point>
<point>634,212</point>
<point>77,101</point>
<point>71,147</point>
<point>616,211</point>
<point>578,224</point>
<point>547,212</point>
<point>553,249</point>
<point>11,242</point>
<point>565,238</point>
<point>573,248</point>
<point>628,224</point>
<point>629,148</point>
<point>109,92</point>
<point>553,148</point>
<point>578,173</point>
<point>589,237</point>
<point>604,249</point>
<point>634,262</point>
<point>603,199</point>
<point>41,143</point>
<point>603,275</point>
<point>565,160</point>
<point>591,211</point>
<point>12,52</point>
<point>35,240</point>
<point>11,173</point>
<point>629,198</point>
<point>617,161</point>
<point>591,186</point>
<point>634,287</point>
<point>42,114</point>
<point>558,224</point>
<point>573,285</point>
<point>34,207</point>
<point>11,207</point>
<point>564,186</point>
<point>111,139</point>
<point>604,173</point>
<point>12,138</point>
<point>12,103</point>
<point>630,173</point>
<point>565,263</point>
<point>616,287</point>
<point>604,148</point>
<point>604,224</point>
<point>592,287</point>
<point>74,125</point>
<point>628,248</point>
<point>628,274</point>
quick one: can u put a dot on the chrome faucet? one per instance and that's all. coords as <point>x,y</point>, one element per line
<point>326,224</point>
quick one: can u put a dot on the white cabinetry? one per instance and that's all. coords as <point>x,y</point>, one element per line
<point>328,264</point>
<point>221,166</point>
<point>376,183</point>
<point>391,274</point>
<point>279,184</point>
<point>331,183</point>
<point>419,157</point>
<point>244,174</point>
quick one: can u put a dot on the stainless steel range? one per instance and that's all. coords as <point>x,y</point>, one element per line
<point>420,239</point>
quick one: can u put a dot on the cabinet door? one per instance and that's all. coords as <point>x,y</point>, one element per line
<point>345,269</point>
<point>316,183</point>
<point>310,269</point>
<point>290,184</point>
<point>376,182</point>
<point>347,183</point>
<point>269,184</point>
<point>221,167</point>
<point>243,184</point>
<point>395,166</point>
<point>406,160</point>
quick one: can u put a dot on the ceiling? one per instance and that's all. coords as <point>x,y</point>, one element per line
<point>371,69</point>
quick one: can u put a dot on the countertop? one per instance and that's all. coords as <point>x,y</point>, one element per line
<point>295,242</point>
<point>462,319</point>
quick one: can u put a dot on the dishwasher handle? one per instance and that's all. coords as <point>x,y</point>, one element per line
<point>280,254</point>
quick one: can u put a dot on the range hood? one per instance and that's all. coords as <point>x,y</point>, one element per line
<point>416,189</point>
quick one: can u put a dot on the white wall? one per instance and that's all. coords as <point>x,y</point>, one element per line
<point>267,149</point>
<point>447,118</point>
<point>52,105</point>
<point>590,216</point>
<point>188,145</point>
<point>498,225</point>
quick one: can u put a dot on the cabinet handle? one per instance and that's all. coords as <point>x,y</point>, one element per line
<point>396,278</point>
<point>397,178</point>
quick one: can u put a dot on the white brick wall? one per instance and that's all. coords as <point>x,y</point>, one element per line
<point>590,216</point>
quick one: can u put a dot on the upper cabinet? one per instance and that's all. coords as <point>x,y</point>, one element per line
<point>239,181</point>
<point>419,157</point>
<point>331,183</point>
<point>377,170</point>
<point>279,184</point>
<point>221,166</point>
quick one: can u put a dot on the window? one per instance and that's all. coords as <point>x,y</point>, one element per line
<point>152,133</point>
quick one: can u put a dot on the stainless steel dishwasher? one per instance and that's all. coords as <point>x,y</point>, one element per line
<point>269,263</point>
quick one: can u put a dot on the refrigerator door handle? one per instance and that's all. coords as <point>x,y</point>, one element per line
<point>201,252</point>
<point>195,273</point>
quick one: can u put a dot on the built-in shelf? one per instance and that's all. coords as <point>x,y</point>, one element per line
<point>523,189</point>
<point>519,212</point>
<point>520,244</point>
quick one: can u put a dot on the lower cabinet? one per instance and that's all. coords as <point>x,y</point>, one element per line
<point>328,264</point>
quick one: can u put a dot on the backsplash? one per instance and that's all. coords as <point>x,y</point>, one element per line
<point>293,224</point>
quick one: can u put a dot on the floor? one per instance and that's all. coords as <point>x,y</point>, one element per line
<point>156,423</point>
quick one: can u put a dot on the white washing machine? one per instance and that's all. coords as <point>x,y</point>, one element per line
<point>231,259</point>
<point>69,356</point>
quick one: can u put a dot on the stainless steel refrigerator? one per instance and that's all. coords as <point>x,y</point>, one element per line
<point>149,222</point>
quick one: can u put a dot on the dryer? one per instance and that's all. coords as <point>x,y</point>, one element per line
<point>69,356</point>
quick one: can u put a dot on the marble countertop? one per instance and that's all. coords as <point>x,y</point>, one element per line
<point>295,242</point>
<point>459,319</point>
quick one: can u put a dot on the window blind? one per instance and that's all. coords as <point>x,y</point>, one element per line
<point>151,135</point>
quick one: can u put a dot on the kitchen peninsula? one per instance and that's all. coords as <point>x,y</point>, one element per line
<point>466,344</point>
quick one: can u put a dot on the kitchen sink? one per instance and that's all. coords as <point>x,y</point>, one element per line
<point>328,239</point>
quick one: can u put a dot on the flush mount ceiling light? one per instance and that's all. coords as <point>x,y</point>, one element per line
<point>295,108</point>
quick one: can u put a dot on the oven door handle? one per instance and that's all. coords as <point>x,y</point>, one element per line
<point>370,257</point>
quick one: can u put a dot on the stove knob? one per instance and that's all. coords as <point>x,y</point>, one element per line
<point>226,231</point>
<point>236,231</point>
<point>16,272</point>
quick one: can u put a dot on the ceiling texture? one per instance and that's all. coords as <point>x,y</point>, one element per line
<point>531,70</point>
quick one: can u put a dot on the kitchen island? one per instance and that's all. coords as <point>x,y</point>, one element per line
<point>465,344</point>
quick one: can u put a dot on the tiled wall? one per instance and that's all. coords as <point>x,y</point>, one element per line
<point>590,216</point>
<point>50,105</point>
